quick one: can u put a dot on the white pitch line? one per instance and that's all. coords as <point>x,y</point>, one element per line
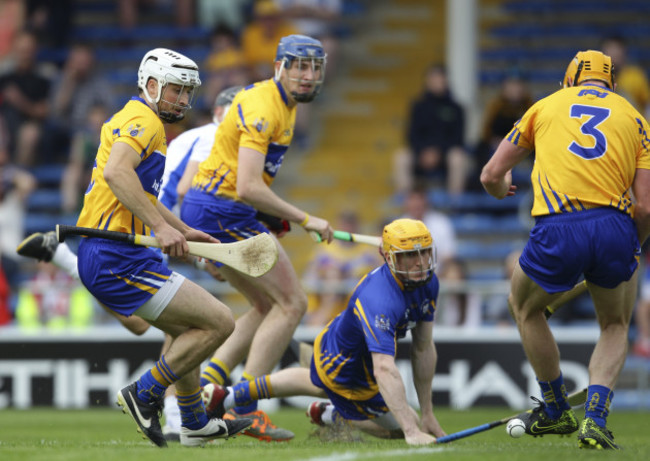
<point>351,456</point>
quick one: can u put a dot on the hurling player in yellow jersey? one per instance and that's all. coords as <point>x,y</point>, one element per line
<point>591,183</point>
<point>234,182</point>
<point>134,280</point>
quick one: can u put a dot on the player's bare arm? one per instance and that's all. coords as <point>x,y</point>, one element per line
<point>392,389</point>
<point>121,177</point>
<point>424,359</point>
<point>496,176</point>
<point>253,190</point>
<point>641,189</point>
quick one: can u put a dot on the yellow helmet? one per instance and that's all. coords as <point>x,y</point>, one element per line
<point>589,65</point>
<point>409,238</point>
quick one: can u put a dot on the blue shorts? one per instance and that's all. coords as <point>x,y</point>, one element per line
<point>225,219</point>
<point>602,244</point>
<point>351,409</point>
<point>120,275</point>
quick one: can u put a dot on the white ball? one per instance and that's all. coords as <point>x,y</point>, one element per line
<point>516,428</point>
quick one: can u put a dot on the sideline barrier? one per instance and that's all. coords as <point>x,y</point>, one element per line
<point>72,369</point>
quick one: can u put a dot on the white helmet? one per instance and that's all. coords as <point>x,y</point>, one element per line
<point>167,66</point>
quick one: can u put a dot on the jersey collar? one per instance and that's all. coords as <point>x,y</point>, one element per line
<point>138,98</point>
<point>283,93</point>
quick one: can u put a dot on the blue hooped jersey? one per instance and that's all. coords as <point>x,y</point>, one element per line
<point>588,144</point>
<point>379,312</point>
<point>138,126</point>
<point>260,119</point>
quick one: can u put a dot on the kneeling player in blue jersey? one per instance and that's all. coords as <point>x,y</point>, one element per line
<point>354,356</point>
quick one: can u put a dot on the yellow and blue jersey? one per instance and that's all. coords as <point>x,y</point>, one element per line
<point>260,118</point>
<point>588,143</point>
<point>379,312</point>
<point>138,126</point>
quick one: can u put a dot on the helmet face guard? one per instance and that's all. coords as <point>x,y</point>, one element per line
<point>308,54</point>
<point>171,116</point>
<point>415,267</point>
<point>409,252</point>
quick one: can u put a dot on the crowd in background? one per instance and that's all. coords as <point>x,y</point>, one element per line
<point>51,112</point>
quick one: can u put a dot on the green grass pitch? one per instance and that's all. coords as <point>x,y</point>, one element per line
<point>109,435</point>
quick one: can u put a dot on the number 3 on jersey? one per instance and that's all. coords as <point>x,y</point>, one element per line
<point>595,116</point>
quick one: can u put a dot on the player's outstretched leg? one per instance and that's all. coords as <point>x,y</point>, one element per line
<point>146,415</point>
<point>262,428</point>
<point>39,246</point>
<point>591,435</point>
<point>539,423</point>
<point>215,429</point>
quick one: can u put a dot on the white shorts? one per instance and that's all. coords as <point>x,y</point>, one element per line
<point>152,309</point>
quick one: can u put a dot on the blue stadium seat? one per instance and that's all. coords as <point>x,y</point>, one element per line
<point>114,33</point>
<point>48,175</point>
<point>45,222</point>
<point>44,200</point>
<point>483,251</point>
<point>481,224</point>
<point>474,202</point>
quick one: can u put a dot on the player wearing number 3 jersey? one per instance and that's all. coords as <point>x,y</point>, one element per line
<point>591,183</point>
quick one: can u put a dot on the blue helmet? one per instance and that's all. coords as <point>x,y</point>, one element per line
<point>302,48</point>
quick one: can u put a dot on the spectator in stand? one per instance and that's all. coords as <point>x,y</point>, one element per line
<point>23,100</point>
<point>50,21</point>
<point>129,11</point>
<point>74,92</point>
<point>83,150</point>
<point>261,36</point>
<point>496,310</point>
<point>334,271</point>
<point>15,187</point>
<point>641,346</point>
<point>436,137</point>
<point>11,21</point>
<point>53,299</point>
<point>458,307</point>
<point>416,206</point>
<point>316,18</point>
<point>508,106</point>
<point>631,79</point>
<point>230,13</point>
<point>5,311</point>
<point>225,66</point>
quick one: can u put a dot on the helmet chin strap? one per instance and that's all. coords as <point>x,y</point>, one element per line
<point>170,117</point>
<point>165,116</point>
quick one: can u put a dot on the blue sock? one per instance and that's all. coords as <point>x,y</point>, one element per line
<point>597,404</point>
<point>152,385</point>
<point>243,396</point>
<point>216,372</point>
<point>554,395</point>
<point>193,414</point>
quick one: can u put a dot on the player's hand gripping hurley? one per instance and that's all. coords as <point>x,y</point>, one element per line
<point>254,256</point>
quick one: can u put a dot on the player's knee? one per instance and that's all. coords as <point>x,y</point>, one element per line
<point>221,321</point>
<point>513,307</point>
<point>297,305</point>
<point>216,336</point>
